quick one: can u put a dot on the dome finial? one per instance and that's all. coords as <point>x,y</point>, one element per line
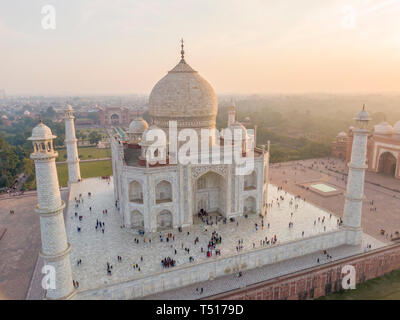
<point>40,118</point>
<point>182,51</point>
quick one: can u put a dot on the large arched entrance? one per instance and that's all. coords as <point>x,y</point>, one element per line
<point>114,119</point>
<point>387,164</point>
<point>250,181</point>
<point>163,192</point>
<point>210,193</point>
<point>135,192</point>
<point>164,220</point>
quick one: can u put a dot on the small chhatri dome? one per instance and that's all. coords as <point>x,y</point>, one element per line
<point>150,138</point>
<point>138,125</point>
<point>183,96</point>
<point>41,132</point>
<point>383,128</point>
<point>363,115</point>
<point>342,134</point>
<point>396,128</point>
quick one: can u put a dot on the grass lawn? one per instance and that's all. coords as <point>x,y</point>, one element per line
<point>382,288</point>
<point>88,170</point>
<point>86,153</point>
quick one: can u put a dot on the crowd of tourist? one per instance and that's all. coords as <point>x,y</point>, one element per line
<point>168,262</point>
<point>198,243</point>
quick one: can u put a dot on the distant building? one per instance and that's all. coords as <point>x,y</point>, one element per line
<point>6,121</point>
<point>116,116</point>
<point>339,146</point>
<point>383,150</point>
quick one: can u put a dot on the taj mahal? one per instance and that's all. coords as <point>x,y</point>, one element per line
<point>161,196</point>
<point>204,219</point>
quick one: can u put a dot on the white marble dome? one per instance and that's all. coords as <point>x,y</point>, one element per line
<point>396,127</point>
<point>183,95</point>
<point>383,128</point>
<point>138,125</point>
<point>41,132</point>
<point>342,134</point>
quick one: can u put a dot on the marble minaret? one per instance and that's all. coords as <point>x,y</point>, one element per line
<point>55,249</point>
<point>74,172</point>
<point>355,183</point>
<point>231,114</point>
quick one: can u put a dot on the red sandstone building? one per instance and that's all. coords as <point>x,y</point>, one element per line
<point>383,151</point>
<point>116,116</point>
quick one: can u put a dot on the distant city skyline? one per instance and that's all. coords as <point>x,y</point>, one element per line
<point>241,47</point>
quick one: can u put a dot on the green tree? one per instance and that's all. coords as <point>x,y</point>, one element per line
<point>94,137</point>
<point>50,113</point>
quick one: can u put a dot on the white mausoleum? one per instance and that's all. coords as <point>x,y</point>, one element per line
<point>153,191</point>
<point>166,194</point>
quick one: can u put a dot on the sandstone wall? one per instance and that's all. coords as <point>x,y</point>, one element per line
<point>320,281</point>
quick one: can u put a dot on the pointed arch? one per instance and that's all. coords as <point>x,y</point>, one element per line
<point>137,220</point>
<point>387,163</point>
<point>164,220</point>
<point>163,192</point>
<point>249,205</point>
<point>250,181</point>
<point>135,192</point>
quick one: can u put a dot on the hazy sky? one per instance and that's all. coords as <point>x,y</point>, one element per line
<point>252,46</point>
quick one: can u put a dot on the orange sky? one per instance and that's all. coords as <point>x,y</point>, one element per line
<point>255,46</point>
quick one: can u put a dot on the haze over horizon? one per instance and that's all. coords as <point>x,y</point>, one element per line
<point>254,47</point>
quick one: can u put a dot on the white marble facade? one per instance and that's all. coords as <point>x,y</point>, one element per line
<point>158,198</point>
<point>153,198</point>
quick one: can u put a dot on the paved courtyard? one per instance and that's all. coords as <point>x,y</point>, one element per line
<point>19,253</point>
<point>96,248</point>
<point>384,213</point>
<point>19,245</point>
